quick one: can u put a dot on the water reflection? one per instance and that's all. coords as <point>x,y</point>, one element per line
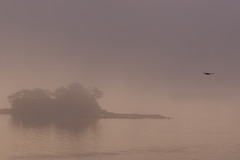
<point>66,123</point>
<point>211,138</point>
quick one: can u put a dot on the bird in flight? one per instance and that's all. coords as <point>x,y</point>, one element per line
<point>208,73</point>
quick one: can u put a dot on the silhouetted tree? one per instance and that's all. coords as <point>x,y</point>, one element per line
<point>65,104</point>
<point>76,99</point>
<point>73,100</point>
<point>96,92</point>
<point>30,101</point>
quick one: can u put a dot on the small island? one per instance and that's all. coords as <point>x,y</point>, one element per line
<point>74,102</point>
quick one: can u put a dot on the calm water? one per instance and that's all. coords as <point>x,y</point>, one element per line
<point>213,137</point>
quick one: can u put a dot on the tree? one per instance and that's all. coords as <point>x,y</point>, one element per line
<point>71,100</point>
<point>30,98</point>
<point>96,92</point>
<point>76,99</point>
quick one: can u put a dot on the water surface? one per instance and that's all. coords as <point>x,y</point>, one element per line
<point>213,137</point>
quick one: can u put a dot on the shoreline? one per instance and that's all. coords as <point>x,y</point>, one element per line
<point>106,115</point>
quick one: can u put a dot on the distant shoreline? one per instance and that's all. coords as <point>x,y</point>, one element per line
<point>108,115</point>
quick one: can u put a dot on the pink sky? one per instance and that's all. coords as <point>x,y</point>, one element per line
<point>146,55</point>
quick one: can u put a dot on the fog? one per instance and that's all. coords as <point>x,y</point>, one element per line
<point>146,56</point>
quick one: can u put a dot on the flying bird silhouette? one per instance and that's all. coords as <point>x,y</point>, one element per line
<point>208,73</point>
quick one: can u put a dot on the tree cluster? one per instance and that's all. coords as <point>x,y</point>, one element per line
<point>73,100</point>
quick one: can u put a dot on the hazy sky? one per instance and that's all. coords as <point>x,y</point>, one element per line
<point>146,55</point>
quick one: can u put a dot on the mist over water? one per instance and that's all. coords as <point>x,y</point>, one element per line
<point>146,56</point>
<point>184,138</point>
